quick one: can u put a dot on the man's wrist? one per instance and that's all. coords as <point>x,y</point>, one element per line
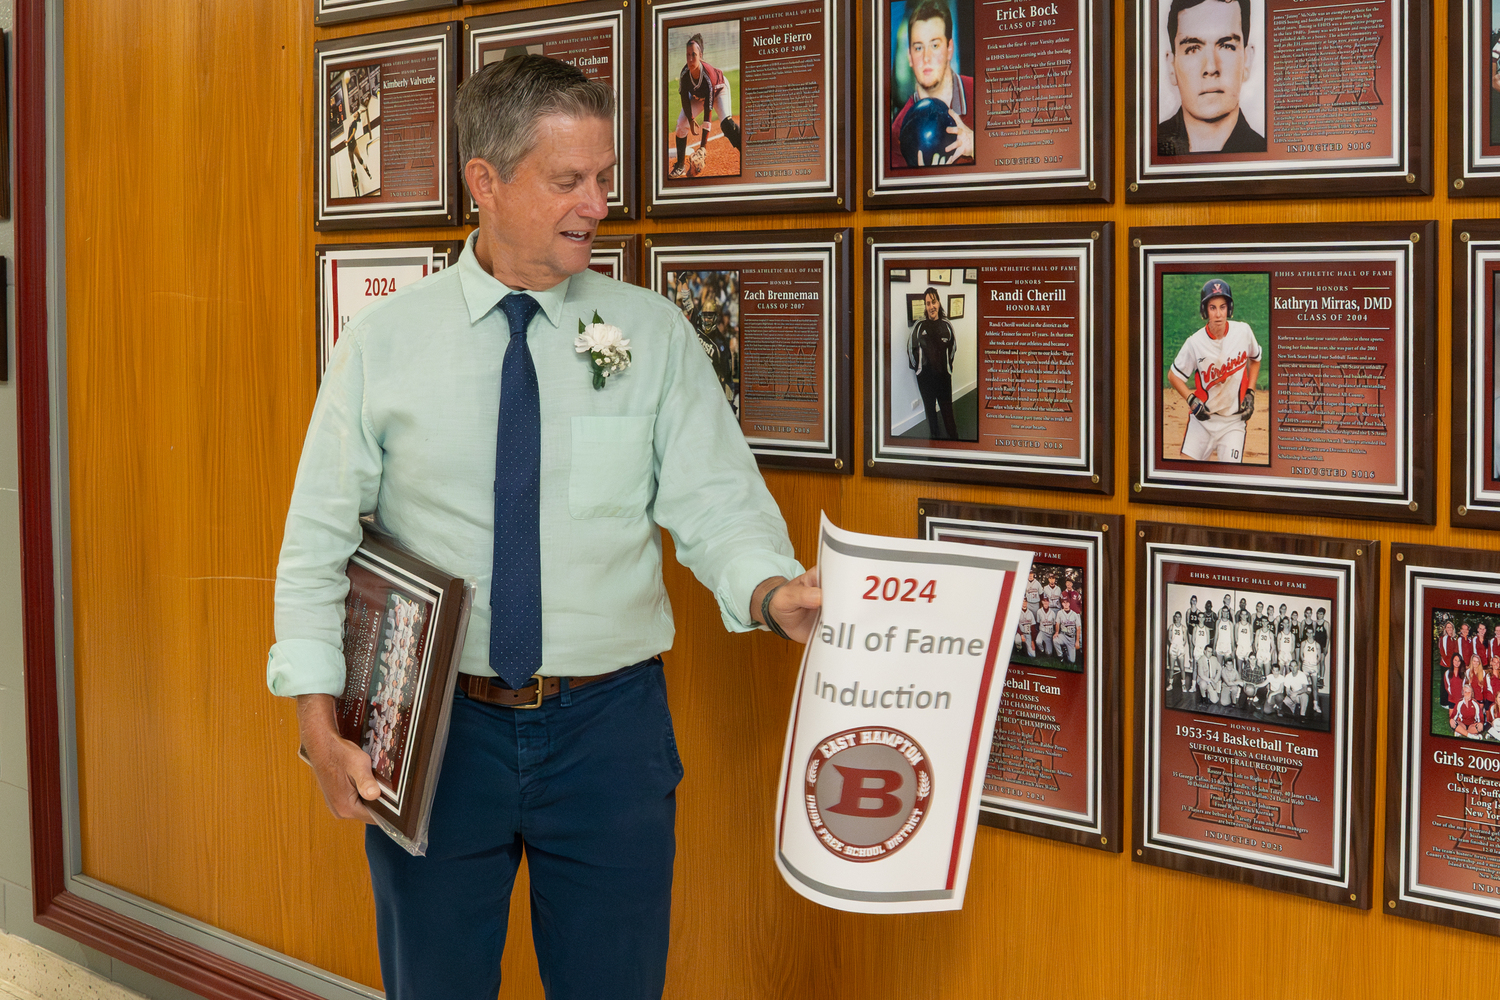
<point>760,601</point>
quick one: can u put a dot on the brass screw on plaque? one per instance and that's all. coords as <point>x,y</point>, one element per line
<point>838,237</point>
<point>1353,898</point>
<point>1416,237</point>
<point>1137,487</point>
<point>1094,235</point>
<point>1462,510</point>
<point>869,463</point>
<point>1464,237</point>
<point>1412,505</point>
<point>1138,852</point>
<point>1391,903</point>
<point>1359,552</point>
<point>838,463</point>
<point>869,241</point>
<point>648,242</point>
<point>1401,557</point>
<point>625,208</point>
<point>1134,186</point>
<point>1103,527</point>
<point>1093,186</point>
<point>1103,840</point>
<point>1459,185</point>
<point>648,207</point>
<point>870,193</point>
<point>1135,243</point>
<point>1141,534</point>
<point>921,510</point>
<point>1095,478</point>
<point>839,201</point>
<point>1411,178</point>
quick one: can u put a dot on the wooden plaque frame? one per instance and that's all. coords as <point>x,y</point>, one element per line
<point>622,252</point>
<point>1476,479</point>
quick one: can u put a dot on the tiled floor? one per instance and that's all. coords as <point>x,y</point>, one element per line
<point>31,973</point>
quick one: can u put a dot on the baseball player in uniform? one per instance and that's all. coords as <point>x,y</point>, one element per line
<point>1046,629</point>
<point>1177,651</point>
<point>1052,592</point>
<point>1215,373</point>
<point>1033,594</point>
<point>1068,625</point>
<point>702,88</point>
<point>1024,626</point>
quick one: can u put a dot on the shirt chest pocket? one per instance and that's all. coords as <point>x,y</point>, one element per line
<point>611,474</point>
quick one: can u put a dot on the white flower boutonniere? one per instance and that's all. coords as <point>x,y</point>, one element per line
<point>606,346</point>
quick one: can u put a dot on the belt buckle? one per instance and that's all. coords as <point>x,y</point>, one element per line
<point>532,705</point>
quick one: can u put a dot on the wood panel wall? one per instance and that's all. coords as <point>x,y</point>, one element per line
<point>190,377</point>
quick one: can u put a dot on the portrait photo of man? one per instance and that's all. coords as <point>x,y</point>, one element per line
<point>926,64</point>
<point>1210,72</point>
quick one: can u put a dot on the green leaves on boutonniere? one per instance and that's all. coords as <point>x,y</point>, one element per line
<point>606,346</point>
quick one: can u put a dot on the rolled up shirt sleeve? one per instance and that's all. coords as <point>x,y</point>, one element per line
<point>726,526</point>
<point>338,478</point>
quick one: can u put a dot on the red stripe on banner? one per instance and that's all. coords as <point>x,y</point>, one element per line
<point>997,634</point>
<point>791,760</point>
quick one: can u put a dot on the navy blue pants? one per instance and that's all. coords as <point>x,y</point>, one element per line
<point>585,786</point>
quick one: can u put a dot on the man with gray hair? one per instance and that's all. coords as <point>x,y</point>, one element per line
<point>464,415</point>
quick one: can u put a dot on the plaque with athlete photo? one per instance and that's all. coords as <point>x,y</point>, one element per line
<point>1283,368</point>
<point>1054,764</point>
<point>988,350</point>
<point>617,257</point>
<point>985,103</point>
<point>1474,99</point>
<point>354,276</point>
<point>746,109</point>
<point>1475,501</point>
<point>1442,842</point>
<point>597,37</point>
<point>384,137</point>
<point>772,310</point>
<point>1265,98</point>
<point>1255,701</point>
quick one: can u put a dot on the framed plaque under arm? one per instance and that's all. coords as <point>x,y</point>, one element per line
<point>384,136</point>
<point>1021,110</point>
<point>1011,384</point>
<point>1255,738</point>
<point>1054,766</point>
<point>596,36</point>
<point>1312,395</point>
<point>756,117</point>
<point>772,311</point>
<point>1277,98</point>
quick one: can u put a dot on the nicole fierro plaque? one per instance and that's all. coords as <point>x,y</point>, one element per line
<point>618,257</point>
<point>747,108</point>
<point>1255,704</point>
<point>354,276</point>
<point>989,355</point>
<point>597,37</point>
<point>1255,98</point>
<point>1054,764</point>
<point>385,141</point>
<point>1283,368</point>
<point>1476,390</point>
<point>977,101</point>
<point>1442,860</point>
<point>772,311</point>
<point>1474,98</point>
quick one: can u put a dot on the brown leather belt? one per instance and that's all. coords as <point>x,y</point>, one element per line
<point>480,689</point>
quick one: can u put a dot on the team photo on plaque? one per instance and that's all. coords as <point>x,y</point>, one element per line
<point>1255,703</point>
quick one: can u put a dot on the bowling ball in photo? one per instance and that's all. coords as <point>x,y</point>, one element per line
<point>925,130</point>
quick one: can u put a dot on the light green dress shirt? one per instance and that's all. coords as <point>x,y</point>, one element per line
<point>405,426</point>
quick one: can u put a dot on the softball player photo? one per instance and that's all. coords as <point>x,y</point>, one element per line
<point>706,89</point>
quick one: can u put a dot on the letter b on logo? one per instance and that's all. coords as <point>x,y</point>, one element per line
<point>862,785</point>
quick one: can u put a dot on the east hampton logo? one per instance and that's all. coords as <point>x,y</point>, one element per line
<point>867,791</point>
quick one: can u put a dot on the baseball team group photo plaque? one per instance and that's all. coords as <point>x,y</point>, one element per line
<point>1262,98</point>
<point>747,108</point>
<point>773,312</point>
<point>1255,702</point>
<point>1282,368</point>
<point>1475,502</point>
<point>1442,843</point>
<point>988,355</point>
<point>354,276</point>
<point>385,142</point>
<point>597,37</point>
<point>988,102</point>
<point>1054,762</point>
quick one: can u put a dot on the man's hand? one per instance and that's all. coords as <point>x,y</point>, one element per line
<point>343,769</point>
<point>795,604</point>
<point>963,143</point>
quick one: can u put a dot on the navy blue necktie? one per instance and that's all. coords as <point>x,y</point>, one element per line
<point>516,585</point>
